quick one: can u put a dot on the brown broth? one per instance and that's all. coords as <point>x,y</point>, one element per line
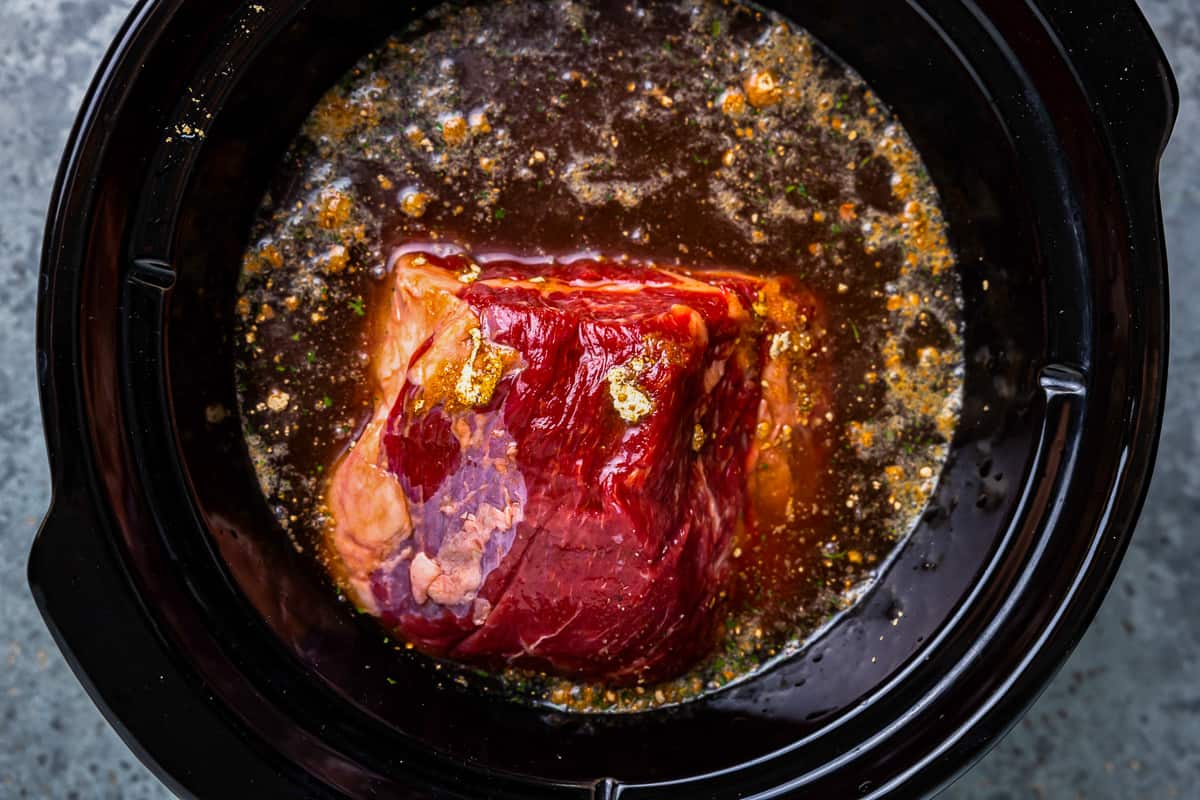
<point>694,134</point>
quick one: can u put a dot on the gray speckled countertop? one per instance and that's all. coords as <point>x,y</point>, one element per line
<point>1121,721</point>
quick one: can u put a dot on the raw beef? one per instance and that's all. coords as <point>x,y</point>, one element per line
<point>563,455</point>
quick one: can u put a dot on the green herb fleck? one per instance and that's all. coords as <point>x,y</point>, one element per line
<point>296,336</point>
<point>501,213</point>
<point>854,330</point>
<point>716,28</point>
<point>327,401</point>
<point>356,305</point>
<point>391,681</point>
<point>311,357</point>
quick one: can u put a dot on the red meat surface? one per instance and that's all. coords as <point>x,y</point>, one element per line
<point>564,453</point>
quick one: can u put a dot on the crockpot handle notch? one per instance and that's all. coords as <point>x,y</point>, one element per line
<point>88,606</point>
<point>99,619</point>
<point>91,609</point>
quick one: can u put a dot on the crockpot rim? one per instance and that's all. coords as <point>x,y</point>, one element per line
<point>68,483</point>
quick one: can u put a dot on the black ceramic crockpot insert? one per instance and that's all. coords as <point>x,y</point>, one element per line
<point>222,655</point>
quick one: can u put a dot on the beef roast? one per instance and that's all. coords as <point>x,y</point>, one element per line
<point>563,455</point>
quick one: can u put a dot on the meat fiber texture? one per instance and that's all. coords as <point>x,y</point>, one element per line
<point>564,453</point>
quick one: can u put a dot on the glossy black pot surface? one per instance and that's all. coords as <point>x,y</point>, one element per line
<point>223,658</point>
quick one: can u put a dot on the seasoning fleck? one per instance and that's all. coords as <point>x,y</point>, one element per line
<point>763,89</point>
<point>278,400</point>
<point>629,400</point>
<point>414,202</point>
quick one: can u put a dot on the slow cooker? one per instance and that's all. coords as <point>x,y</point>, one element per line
<point>226,662</point>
